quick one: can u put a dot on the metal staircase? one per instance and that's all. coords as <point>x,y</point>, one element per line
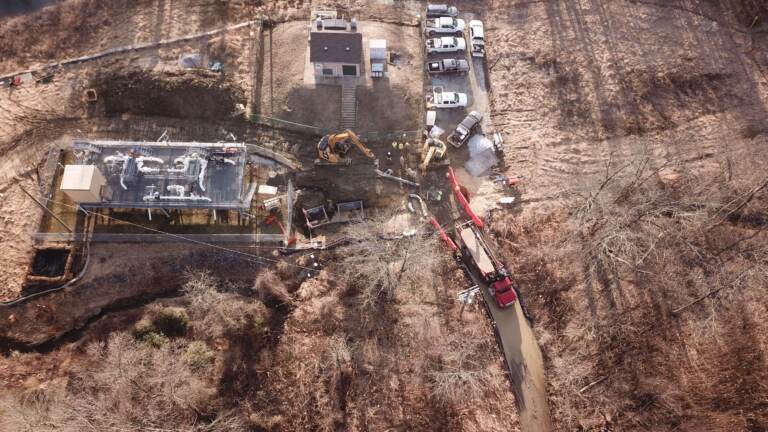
<point>348,104</point>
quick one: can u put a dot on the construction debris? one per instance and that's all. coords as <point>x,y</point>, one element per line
<point>388,175</point>
<point>415,197</point>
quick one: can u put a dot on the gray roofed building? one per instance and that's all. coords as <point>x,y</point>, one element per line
<point>335,53</point>
<point>336,47</point>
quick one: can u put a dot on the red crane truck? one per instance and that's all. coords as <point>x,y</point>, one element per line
<point>492,271</point>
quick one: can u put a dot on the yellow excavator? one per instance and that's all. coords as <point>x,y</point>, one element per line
<point>433,149</point>
<point>332,149</point>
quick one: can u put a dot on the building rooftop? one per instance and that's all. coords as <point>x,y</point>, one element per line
<point>336,47</point>
<point>168,174</point>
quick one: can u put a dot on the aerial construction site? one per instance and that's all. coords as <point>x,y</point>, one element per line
<point>382,215</point>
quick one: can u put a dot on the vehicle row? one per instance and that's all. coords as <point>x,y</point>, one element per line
<point>446,31</point>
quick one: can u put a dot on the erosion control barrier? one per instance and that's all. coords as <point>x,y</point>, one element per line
<point>278,123</point>
<point>271,154</point>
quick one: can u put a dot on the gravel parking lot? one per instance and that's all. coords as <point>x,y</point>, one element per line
<point>475,86</point>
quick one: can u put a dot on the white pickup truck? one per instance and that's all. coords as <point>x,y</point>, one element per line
<point>477,38</point>
<point>446,44</point>
<point>440,98</point>
<point>445,25</point>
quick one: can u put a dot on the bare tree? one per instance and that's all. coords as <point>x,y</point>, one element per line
<point>382,260</point>
<point>218,312</point>
<point>461,373</point>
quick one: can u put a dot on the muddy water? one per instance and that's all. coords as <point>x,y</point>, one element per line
<point>13,7</point>
<point>525,363</point>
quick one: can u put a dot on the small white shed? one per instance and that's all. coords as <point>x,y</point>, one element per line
<point>378,52</point>
<point>83,183</point>
<point>378,49</point>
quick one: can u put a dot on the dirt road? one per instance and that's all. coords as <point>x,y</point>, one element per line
<point>525,363</point>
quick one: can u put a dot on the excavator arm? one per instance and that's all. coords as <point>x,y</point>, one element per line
<point>426,157</point>
<point>433,149</point>
<point>359,144</point>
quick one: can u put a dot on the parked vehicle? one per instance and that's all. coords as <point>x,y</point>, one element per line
<point>445,25</point>
<point>492,271</point>
<point>441,10</point>
<point>439,98</point>
<point>465,129</point>
<point>477,38</point>
<point>448,66</point>
<point>446,44</point>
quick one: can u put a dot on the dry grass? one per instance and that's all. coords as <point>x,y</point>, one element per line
<point>179,369</point>
<point>376,343</point>
<point>459,373</point>
<point>647,294</point>
<point>132,386</point>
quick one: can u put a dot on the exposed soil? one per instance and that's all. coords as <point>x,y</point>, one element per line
<point>285,53</point>
<point>402,108</point>
<point>395,102</point>
<point>182,95</point>
<point>319,106</point>
<point>19,221</point>
<point>288,92</point>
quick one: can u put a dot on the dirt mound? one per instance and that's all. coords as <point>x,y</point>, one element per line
<point>196,94</point>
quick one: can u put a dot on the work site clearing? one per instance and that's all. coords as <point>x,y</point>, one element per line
<point>384,215</point>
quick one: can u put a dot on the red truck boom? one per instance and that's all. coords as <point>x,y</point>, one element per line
<point>444,235</point>
<point>463,200</point>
